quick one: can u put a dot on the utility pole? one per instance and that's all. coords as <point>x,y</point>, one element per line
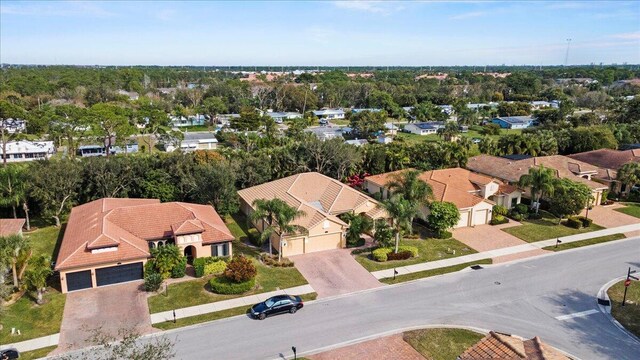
<point>566,55</point>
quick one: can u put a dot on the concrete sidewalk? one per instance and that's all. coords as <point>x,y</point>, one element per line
<point>34,344</point>
<point>503,252</point>
<point>227,304</point>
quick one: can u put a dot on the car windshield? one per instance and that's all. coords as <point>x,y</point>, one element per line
<point>269,302</point>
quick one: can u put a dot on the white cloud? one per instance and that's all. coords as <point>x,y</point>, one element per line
<point>627,36</point>
<point>374,7</point>
<point>468,15</point>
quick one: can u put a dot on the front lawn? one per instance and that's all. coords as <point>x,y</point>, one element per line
<point>632,209</point>
<point>577,244</point>
<point>429,250</point>
<point>43,241</point>
<point>441,344</point>
<point>33,320</point>
<point>545,228</point>
<point>628,315</point>
<point>37,354</point>
<point>433,272</point>
<point>195,292</point>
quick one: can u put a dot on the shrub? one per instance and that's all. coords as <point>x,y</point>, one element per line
<point>380,254</point>
<point>443,234</point>
<point>240,269</point>
<point>400,255</point>
<point>521,208</point>
<point>499,219</point>
<point>201,262</point>
<point>272,260</point>
<point>612,195</point>
<point>180,269</point>
<point>215,268</point>
<point>359,243</point>
<point>412,249</point>
<point>383,234</point>
<point>499,210</point>
<point>150,268</point>
<point>254,237</point>
<point>152,281</point>
<point>535,216</point>
<point>226,286</point>
<point>517,216</point>
<point>586,222</point>
<point>573,222</point>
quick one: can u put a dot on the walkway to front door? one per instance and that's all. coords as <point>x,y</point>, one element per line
<point>334,272</point>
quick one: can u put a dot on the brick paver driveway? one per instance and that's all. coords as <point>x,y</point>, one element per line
<point>390,347</point>
<point>334,272</point>
<point>489,237</point>
<point>110,308</point>
<point>608,217</point>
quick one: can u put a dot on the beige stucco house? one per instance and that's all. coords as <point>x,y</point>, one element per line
<point>322,199</point>
<point>473,194</point>
<point>108,241</point>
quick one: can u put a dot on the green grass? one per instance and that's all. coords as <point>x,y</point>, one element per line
<point>237,224</point>
<point>36,354</point>
<point>414,138</point>
<point>194,128</point>
<point>195,292</point>
<point>441,344</point>
<point>192,320</point>
<point>429,250</point>
<point>43,241</point>
<point>545,228</point>
<point>433,272</point>
<point>628,315</point>
<point>632,209</point>
<point>577,244</point>
<point>33,320</point>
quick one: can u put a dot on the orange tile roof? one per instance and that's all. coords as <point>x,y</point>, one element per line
<point>319,196</point>
<point>609,160</point>
<point>507,347</point>
<point>10,226</point>
<point>451,185</point>
<point>128,225</point>
<point>511,170</point>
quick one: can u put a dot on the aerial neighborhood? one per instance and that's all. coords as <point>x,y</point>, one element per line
<point>320,212</point>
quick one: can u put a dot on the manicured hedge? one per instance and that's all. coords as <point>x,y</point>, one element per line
<point>180,269</point>
<point>272,260</point>
<point>223,285</point>
<point>443,234</point>
<point>574,222</point>
<point>380,254</point>
<point>215,268</point>
<point>384,254</point>
<point>586,222</point>
<point>499,219</point>
<point>400,255</point>
<point>152,281</point>
<point>412,249</point>
<point>201,262</point>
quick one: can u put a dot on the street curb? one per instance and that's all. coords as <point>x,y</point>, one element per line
<point>405,329</point>
<point>606,310</point>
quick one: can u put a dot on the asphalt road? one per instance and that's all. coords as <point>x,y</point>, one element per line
<point>522,298</point>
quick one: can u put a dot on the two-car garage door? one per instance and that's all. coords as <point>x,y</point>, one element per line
<point>104,276</point>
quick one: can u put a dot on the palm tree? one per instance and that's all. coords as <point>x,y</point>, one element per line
<point>10,248</point>
<point>487,146</point>
<point>402,213</point>
<point>358,225</point>
<point>629,174</point>
<point>36,275</point>
<point>449,131</point>
<point>541,180</point>
<point>12,187</point>
<point>413,189</point>
<point>279,216</point>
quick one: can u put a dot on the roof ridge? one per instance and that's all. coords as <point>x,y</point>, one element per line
<point>83,245</point>
<point>507,344</point>
<point>335,199</point>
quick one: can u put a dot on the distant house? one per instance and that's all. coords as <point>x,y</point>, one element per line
<point>356,142</point>
<point>424,128</point>
<point>100,150</point>
<point>384,139</point>
<point>447,109</point>
<point>280,117</point>
<point>13,126</point>
<point>194,141</point>
<point>473,194</point>
<point>359,110</point>
<point>329,114</point>
<point>608,162</point>
<point>225,119</point>
<point>537,105</point>
<point>132,95</point>
<point>108,241</point>
<point>390,128</point>
<point>479,106</point>
<point>18,151</point>
<point>514,122</point>
<point>191,120</point>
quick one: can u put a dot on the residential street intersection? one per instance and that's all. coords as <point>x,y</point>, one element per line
<point>552,296</point>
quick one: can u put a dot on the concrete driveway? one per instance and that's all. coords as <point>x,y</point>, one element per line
<point>488,237</point>
<point>110,308</point>
<point>334,272</point>
<point>609,217</point>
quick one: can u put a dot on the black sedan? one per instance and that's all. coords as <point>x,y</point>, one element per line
<point>9,354</point>
<point>276,305</point>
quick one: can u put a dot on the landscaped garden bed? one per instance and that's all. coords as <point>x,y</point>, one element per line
<point>546,228</point>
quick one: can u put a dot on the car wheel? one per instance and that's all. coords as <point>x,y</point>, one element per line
<point>293,310</point>
<point>262,316</point>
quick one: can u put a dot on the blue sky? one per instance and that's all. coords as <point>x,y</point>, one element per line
<point>319,33</point>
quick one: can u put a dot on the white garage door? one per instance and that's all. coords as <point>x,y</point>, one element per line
<point>323,242</point>
<point>480,217</point>
<point>464,219</point>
